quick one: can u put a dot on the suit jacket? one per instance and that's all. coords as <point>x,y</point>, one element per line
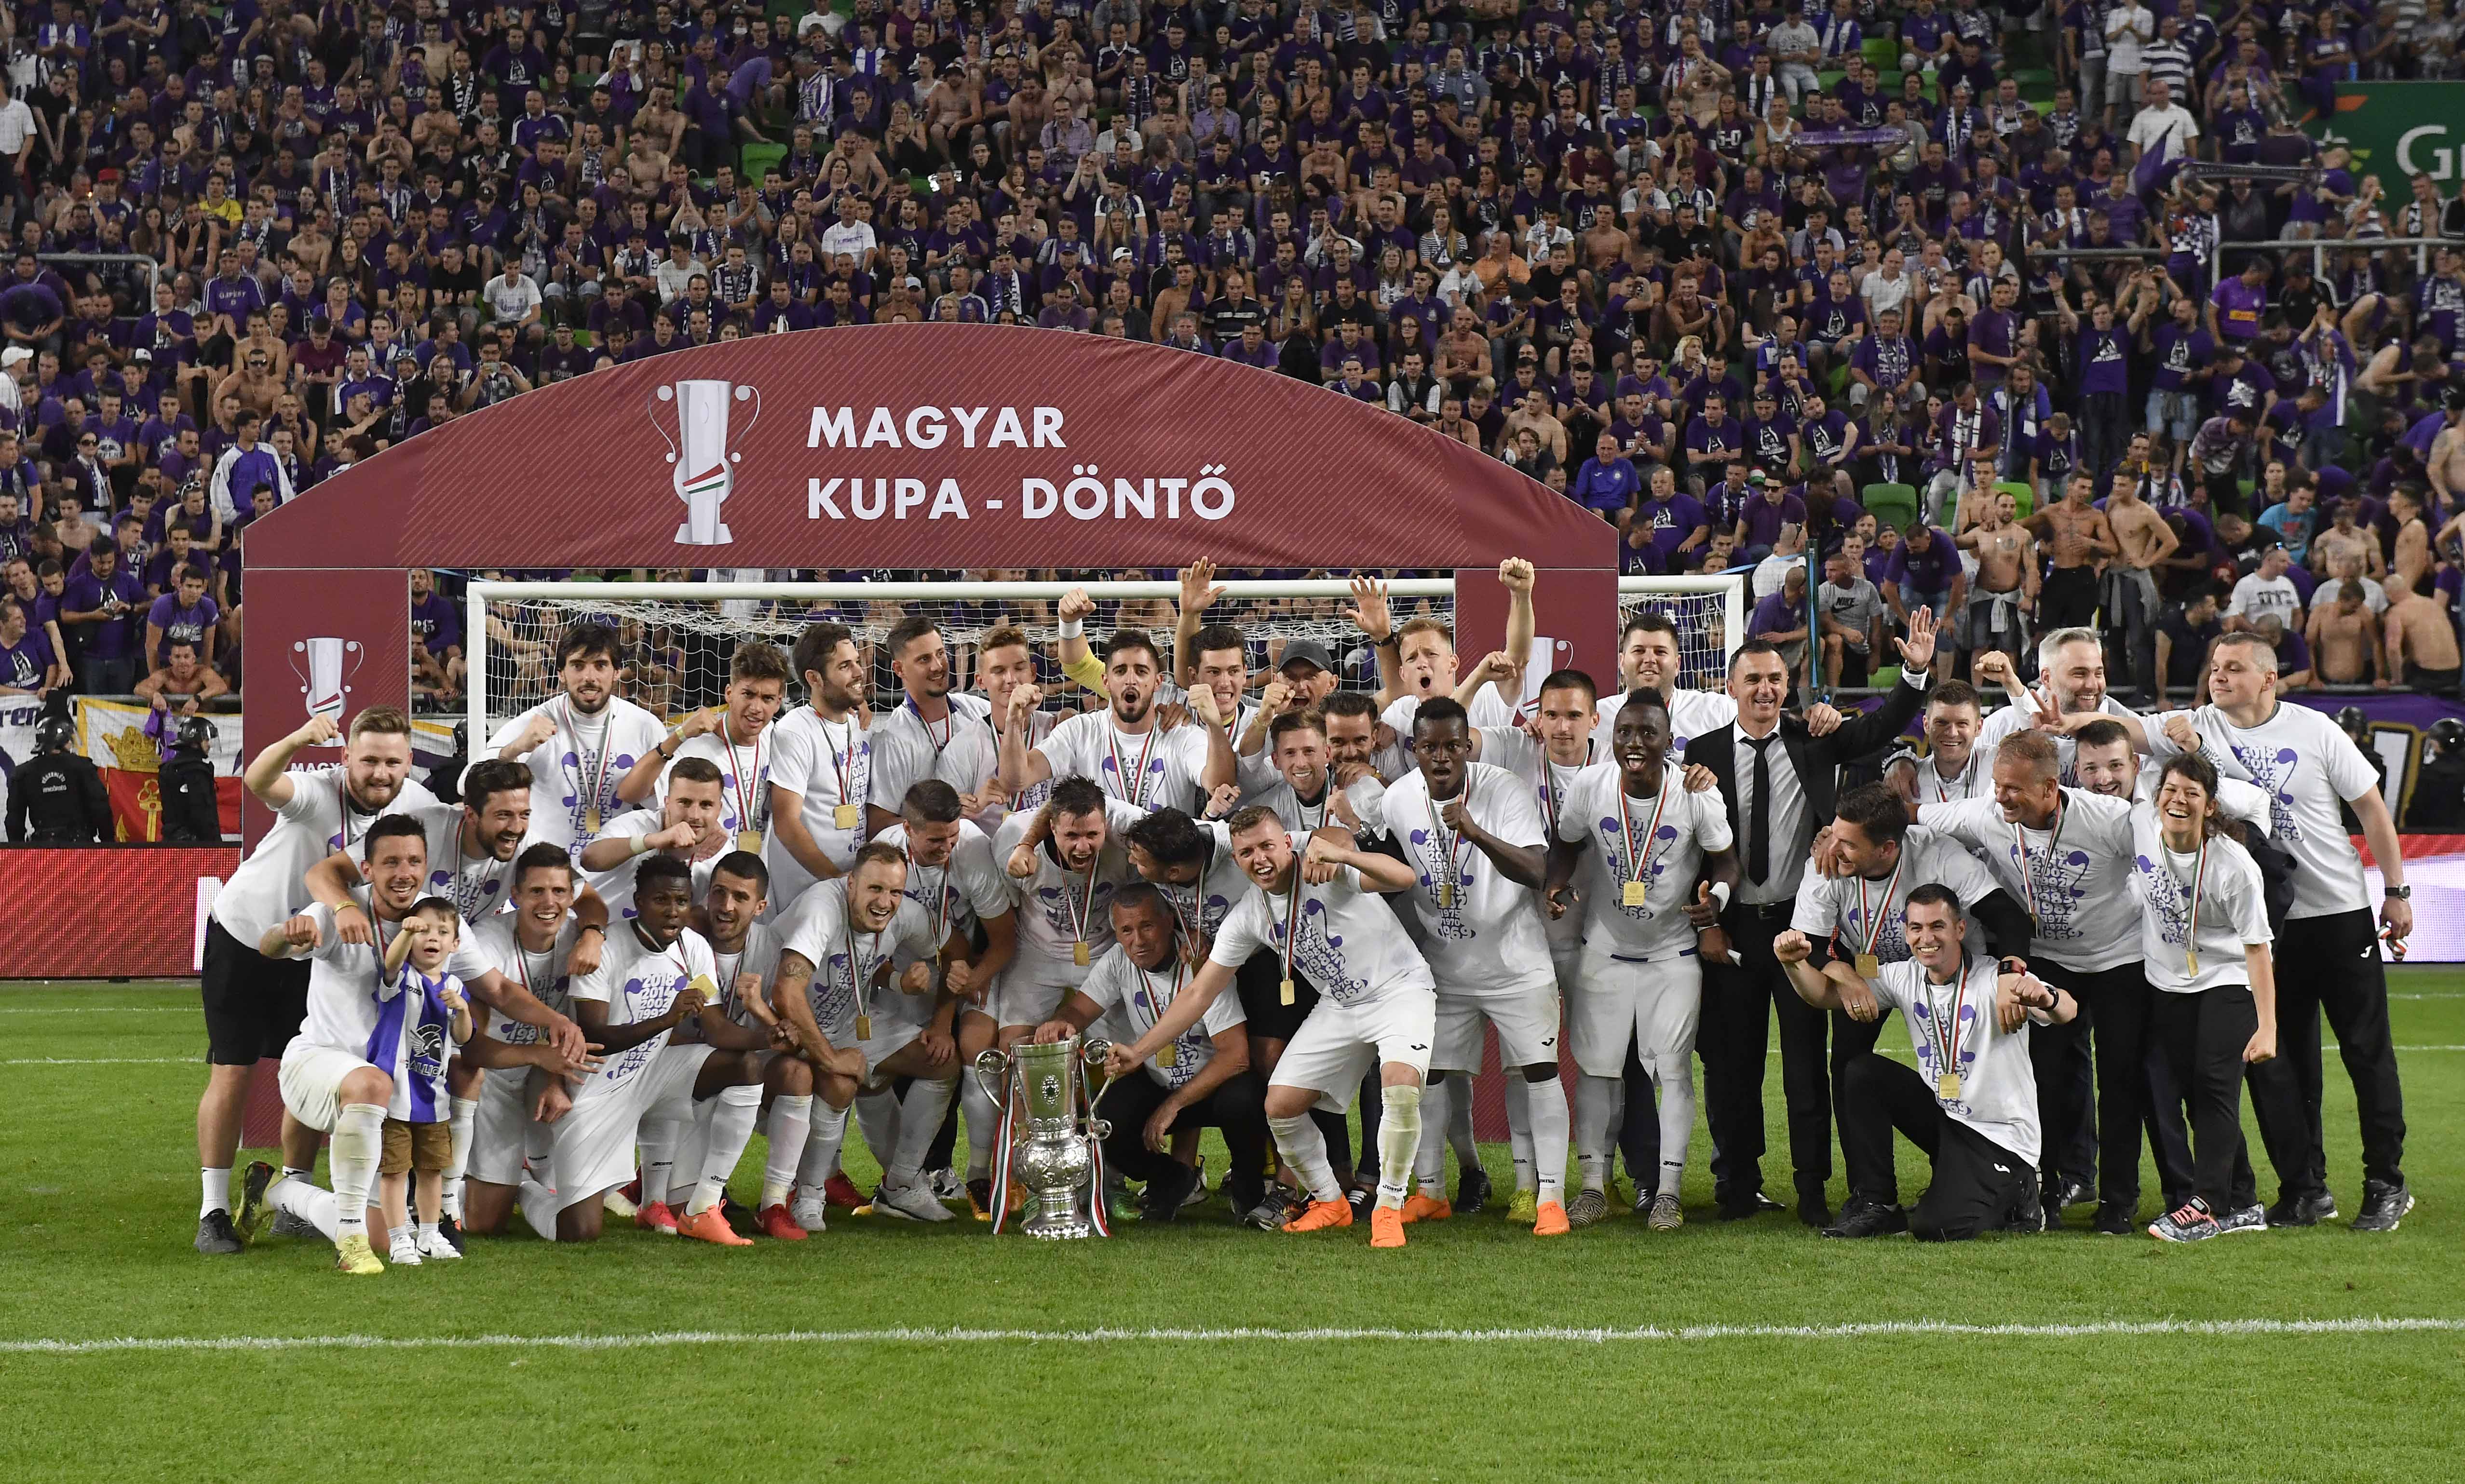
<point>1815,758</point>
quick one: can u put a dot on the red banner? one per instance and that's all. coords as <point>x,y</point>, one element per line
<point>137,803</point>
<point>104,912</point>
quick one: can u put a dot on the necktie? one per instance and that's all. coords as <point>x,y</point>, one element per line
<point>1759,813</point>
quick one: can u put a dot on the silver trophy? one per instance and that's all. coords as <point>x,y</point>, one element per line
<point>1060,1148</point>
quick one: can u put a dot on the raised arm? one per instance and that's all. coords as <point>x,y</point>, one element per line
<point>267,774</point>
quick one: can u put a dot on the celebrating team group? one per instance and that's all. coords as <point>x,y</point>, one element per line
<point>581,989</point>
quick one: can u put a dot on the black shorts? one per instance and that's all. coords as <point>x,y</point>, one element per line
<point>1260,983</point>
<point>254,1004</point>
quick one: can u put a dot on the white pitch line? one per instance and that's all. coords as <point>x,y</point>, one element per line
<point>1881,1330</point>
<point>100,1061</point>
<point>98,1010</point>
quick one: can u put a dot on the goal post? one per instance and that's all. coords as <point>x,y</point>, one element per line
<point>676,636</point>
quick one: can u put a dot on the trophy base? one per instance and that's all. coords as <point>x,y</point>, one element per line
<point>720,537</point>
<point>1057,1217</point>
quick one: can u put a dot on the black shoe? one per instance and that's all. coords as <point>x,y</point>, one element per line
<point>451,1231</point>
<point>736,1213</point>
<point>1472,1191</point>
<point>2049,1205</point>
<point>2303,1210</point>
<point>1361,1198</point>
<point>2036,1214</point>
<point>1864,1218</point>
<point>1163,1195</point>
<point>216,1237</point>
<point>2115,1220</point>
<point>1643,1195</point>
<point>1735,1206</point>
<point>2384,1205</point>
<point>1815,1212</point>
<point>2069,1192</point>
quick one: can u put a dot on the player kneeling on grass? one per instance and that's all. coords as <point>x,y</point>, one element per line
<point>1201,1078</point>
<point>838,943</point>
<point>1317,910</point>
<point>656,976</point>
<point>436,1019</point>
<point>1971,1100</point>
<point>356,1009</point>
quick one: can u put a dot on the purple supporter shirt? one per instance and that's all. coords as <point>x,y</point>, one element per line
<point>1994,331</point>
<point>2239,308</point>
<point>1776,615</point>
<point>2104,360</point>
<point>1671,520</point>
<point>112,638</point>
<point>24,663</point>
<point>1927,571</point>
<point>182,622</point>
<point>1765,517</point>
<point>435,623</point>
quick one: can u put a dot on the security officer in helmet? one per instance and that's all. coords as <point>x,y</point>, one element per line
<point>57,798</point>
<point>2437,805</point>
<point>190,814</point>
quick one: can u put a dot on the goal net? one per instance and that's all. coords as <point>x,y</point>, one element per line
<point>677,637</point>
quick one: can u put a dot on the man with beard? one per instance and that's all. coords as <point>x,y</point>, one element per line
<point>686,826</point>
<point>254,1003</point>
<point>2071,679</point>
<point>935,732</point>
<point>1125,748</point>
<point>580,744</point>
<point>1649,659</point>
<point>735,735</point>
<point>821,767</point>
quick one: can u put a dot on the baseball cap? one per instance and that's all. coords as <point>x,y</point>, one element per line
<point>16,355</point>
<point>1306,651</point>
<point>1121,255</point>
<point>1757,478</point>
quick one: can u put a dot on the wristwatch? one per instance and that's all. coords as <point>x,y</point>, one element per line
<point>2397,893</point>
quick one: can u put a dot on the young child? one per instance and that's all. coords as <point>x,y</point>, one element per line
<point>436,1018</point>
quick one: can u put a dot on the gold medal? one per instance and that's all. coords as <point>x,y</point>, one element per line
<point>1948,1087</point>
<point>2190,961</point>
<point>1446,893</point>
<point>749,840</point>
<point>591,819</point>
<point>844,817</point>
<point>708,988</point>
<point>1285,992</point>
<point>1168,1055</point>
<point>864,1027</point>
<point>1633,894</point>
<point>1078,953</point>
<point>1869,967</point>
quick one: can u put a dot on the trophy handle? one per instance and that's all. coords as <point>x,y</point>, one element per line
<point>1094,1055</point>
<point>659,394</point>
<point>993,1074</point>
<point>741,390</point>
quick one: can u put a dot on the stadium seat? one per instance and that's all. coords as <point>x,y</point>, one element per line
<point>754,159</point>
<point>1894,505</point>
<point>1884,52</point>
<point>2022,493</point>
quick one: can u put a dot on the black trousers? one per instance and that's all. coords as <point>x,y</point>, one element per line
<point>1734,1037</point>
<point>2068,599</point>
<point>1639,1132</point>
<point>2114,1010</point>
<point>1978,1185</point>
<point>2203,1036</point>
<point>1237,1108</point>
<point>2331,964</point>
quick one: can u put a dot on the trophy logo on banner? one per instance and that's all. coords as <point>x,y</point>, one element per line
<point>325,683</point>
<point>706,470</point>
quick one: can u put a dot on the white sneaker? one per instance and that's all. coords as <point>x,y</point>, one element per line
<point>949,1186</point>
<point>914,1202</point>
<point>618,1205</point>
<point>434,1245</point>
<point>809,1210</point>
<point>406,1254</point>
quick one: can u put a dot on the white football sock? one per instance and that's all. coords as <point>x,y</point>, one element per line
<point>309,1202</point>
<point>1596,1111</point>
<point>1673,1073</point>
<point>1399,1138</point>
<point>357,1146</point>
<point>982,1118</point>
<point>1518,1127</point>
<point>731,1128</point>
<point>877,1114</point>
<point>538,1208</point>
<point>459,1124</point>
<point>693,1144</point>
<point>1304,1148</point>
<point>1547,1104</point>
<point>1458,1124</point>
<point>1430,1152</point>
<point>792,1122</point>
<point>919,1118</point>
<point>217,1197</point>
<point>425,1230</point>
<point>657,1139</point>
<point>822,1145</point>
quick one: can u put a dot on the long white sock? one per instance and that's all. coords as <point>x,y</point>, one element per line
<point>311,1203</point>
<point>1518,1127</point>
<point>1596,1111</point>
<point>1672,1071</point>
<point>792,1122</point>
<point>358,1143</point>
<point>1458,1123</point>
<point>1547,1101</point>
<point>877,1117</point>
<point>458,1123</point>
<point>1304,1148</point>
<point>1399,1137</point>
<point>984,1120</point>
<point>539,1208</point>
<point>1429,1153</point>
<point>218,1196</point>
<point>731,1129</point>
<point>919,1119</point>
<point>692,1146</point>
<point>822,1145</point>
<point>657,1138</point>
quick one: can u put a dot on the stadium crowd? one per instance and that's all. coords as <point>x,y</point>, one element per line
<point>794,905</point>
<point>1738,277</point>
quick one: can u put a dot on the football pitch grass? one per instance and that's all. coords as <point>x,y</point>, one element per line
<point>884,1350</point>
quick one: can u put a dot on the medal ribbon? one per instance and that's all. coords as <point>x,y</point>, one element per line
<point>1135,788</point>
<point>1449,845</point>
<point>591,798</point>
<point>1156,1008</point>
<point>1082,913</point>
<point>2198,876</point>
<point>1945,1032</point>
<point>747,785</point>
<point>1292,915</point>
<point>1551,796</point>
<point>1874,919</point>
<point>843,759</point>
<point>940,896</point>
<point>1638,856</point>
<point>2053,843</point>
<point>859,974</point>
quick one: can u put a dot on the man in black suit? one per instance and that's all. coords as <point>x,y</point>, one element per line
<point>1779,779</point>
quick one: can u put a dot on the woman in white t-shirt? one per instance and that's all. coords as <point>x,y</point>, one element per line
<point>2204,941</point>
